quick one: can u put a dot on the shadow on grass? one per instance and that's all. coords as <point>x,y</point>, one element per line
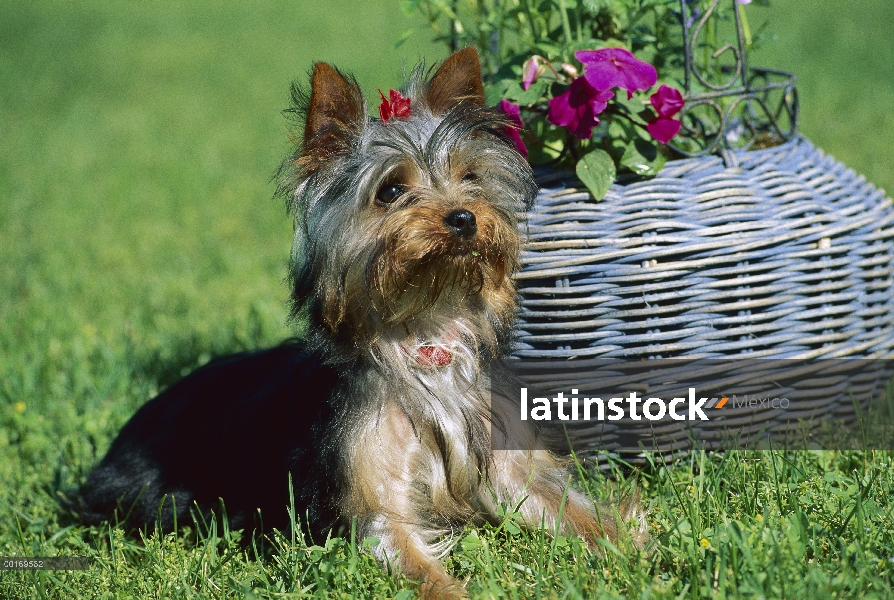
<point>174,356</point>
<point>178,357</point>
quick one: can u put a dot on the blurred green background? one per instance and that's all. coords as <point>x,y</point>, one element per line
<point>138,141</point>
<point>137,145</point>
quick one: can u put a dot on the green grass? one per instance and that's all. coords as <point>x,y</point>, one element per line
<point>138,238</point>
<point>841,53</point>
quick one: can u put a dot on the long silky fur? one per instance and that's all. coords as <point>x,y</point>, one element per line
<point>347,279</point>
<point>376,283</point>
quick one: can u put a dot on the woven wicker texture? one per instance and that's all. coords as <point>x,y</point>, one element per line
<point>787,255</point>
<point>785,402</point>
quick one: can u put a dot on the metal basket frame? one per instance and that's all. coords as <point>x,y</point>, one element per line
<point>751,106</point>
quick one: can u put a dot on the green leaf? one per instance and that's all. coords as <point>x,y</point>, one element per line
<point>642,157</point>
<point>404,37</point>
<point>546,140</point>
<point>597,170</point>
<point>616,129</point>
<point>494,92</point>
<point>511,68</point>
<point>445,8</point>
<point>527,97</point>
<point>609,546</point>
<point>551,51</point>
<point>408,7</point>
<point>471,542</point>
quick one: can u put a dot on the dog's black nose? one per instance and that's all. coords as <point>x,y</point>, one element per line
<point>462,222</point>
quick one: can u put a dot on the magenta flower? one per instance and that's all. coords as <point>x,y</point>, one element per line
<point>616,68</point>
<point>577,108</point>
<point>667,102</point>
<point>663,129</point>
<point>514,113</point>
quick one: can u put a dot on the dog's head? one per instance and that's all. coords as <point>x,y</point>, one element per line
<point>408,222</point>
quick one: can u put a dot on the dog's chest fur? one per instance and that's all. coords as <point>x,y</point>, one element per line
<point>421,435</point>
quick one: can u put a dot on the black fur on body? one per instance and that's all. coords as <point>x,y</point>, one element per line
<point>233,430</point>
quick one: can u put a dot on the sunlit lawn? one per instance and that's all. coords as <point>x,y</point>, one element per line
<point>139,237</point>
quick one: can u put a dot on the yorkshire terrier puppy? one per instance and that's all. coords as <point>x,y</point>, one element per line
<point>406,243</point>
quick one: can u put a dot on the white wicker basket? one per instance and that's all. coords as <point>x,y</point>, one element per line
<point>787,255</point>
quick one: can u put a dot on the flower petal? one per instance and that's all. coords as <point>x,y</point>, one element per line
<point>585,125</point>
<point>599,101</point>
<point>513,111</point>
<point>667,101</point>
<point>529,72</point>
<point>577,108</point>
<point>616,67</point>
<point>560,110</point>
<point>517,140</point>
<point>663,129</point>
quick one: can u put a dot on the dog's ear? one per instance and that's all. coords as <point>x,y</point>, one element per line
<point>457,81</point>
<point>335,113</point>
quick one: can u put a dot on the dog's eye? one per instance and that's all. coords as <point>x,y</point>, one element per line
<point>389,193</point>
<point>470,177</point>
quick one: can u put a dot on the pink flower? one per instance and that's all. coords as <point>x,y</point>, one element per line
<point>570,70</point>
<point>663,129</point>
<point>577,108</point>
<point>616,68</point>
<point>667,102</point>
<point>398,107</point>
<point>531,70</point>
<point>514,113</point>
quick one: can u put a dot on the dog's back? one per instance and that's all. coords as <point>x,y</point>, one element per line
<point>233,429</point>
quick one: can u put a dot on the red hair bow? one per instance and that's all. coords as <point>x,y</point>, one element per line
<point>398,107</point>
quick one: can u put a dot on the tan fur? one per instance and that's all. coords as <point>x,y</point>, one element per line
<point>336,108</point>
<point>458,80</point>
<point>405,494</point>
